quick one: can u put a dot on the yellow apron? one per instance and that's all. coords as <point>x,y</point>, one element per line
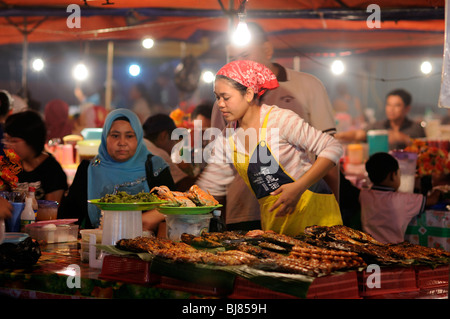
<point>263,174</point>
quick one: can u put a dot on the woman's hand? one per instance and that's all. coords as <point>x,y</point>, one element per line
<point>151,220</point>
<point>289,196</point>
<point>290,193</point>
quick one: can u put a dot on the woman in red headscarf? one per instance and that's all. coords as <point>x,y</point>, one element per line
<point>270,148</point>
<point>57,119</point>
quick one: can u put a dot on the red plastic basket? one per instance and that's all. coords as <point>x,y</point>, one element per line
<point>434,293</point>
<point>127,269</point>
<point>343,286</point>
<point>432,278</point>
<point>394,283</point>
<point>191,287</point>
<point>245,289</point>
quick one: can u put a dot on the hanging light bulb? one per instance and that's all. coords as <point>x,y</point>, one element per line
<point>80,72</point>
<point>148,43</point>
<point>208,77</point>
<point>426,67</point>
<point>337,67</point>
<point>38,64</point>
<point>134,70</point>
<point>241,35</point>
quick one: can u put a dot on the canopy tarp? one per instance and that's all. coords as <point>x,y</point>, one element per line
<point>310,27</point>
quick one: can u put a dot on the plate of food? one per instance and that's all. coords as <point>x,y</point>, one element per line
<point>180,210</point>
<point>123,201</point>
<point>194,201</point>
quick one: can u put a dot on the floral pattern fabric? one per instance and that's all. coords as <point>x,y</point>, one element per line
<point>251,75</point>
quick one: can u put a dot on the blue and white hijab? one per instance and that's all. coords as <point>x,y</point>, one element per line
<point>107,176</point>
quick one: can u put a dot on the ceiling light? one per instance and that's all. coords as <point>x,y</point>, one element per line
<point>148,43</point>
<point>80,72</point>
<point>134,70</point>
<point>337,67</point>
<point>241,35</point>
<point>426,67</point>
<point>38,64</point>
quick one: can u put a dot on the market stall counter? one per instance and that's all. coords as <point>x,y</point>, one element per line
<point>326,263</point>
<point>60,274</point>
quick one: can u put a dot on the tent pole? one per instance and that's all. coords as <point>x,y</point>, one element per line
<point>25,61</point>
<point>109,75</point>
<point>230,23</point>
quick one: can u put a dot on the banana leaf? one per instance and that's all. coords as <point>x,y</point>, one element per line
<point>292,284</point>
<point>110,249</point>
<point>221,277</point>
<point>209,276</point>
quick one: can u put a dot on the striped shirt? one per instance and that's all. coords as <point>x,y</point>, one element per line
<point>290,139</point>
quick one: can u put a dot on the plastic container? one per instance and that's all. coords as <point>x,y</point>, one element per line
<point>407,162</point>
<point>92,133</point>
<point>120,225</point>
<point>378,141</point>
<point>53,232</point>
<point>12,224</point>
<point>87,149</point>
<point>85,245</point>
<point>355,153</point>
<point>72,140</point>
<point>47,210</point>
<point>190,224</point>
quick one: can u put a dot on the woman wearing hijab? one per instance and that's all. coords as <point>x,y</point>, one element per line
<point>56,115</point>
<point>123,163</point>
<point>276,166</point>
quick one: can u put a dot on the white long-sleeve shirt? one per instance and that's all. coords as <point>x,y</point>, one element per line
<point>290,139</point>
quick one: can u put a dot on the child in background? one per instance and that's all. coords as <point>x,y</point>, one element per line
<point>386,213</point>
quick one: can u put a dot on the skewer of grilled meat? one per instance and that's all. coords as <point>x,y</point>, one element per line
<point>228,258</point>
<point>341,233</point>
<point>211,240</point>
<point>407,250</point>
<point>200,241</point>
<point>278,239</point>
<point>150,244</point>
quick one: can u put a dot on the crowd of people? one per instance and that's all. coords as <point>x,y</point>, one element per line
<point>282,183</point>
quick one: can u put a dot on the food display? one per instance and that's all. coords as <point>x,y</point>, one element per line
<point>193,198</point>
<point>123,197</point>
<point>123,201</point>
<point>347,239</point>
<point>177,224</point>
<point>193,202</point>
<point>320,251</point>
